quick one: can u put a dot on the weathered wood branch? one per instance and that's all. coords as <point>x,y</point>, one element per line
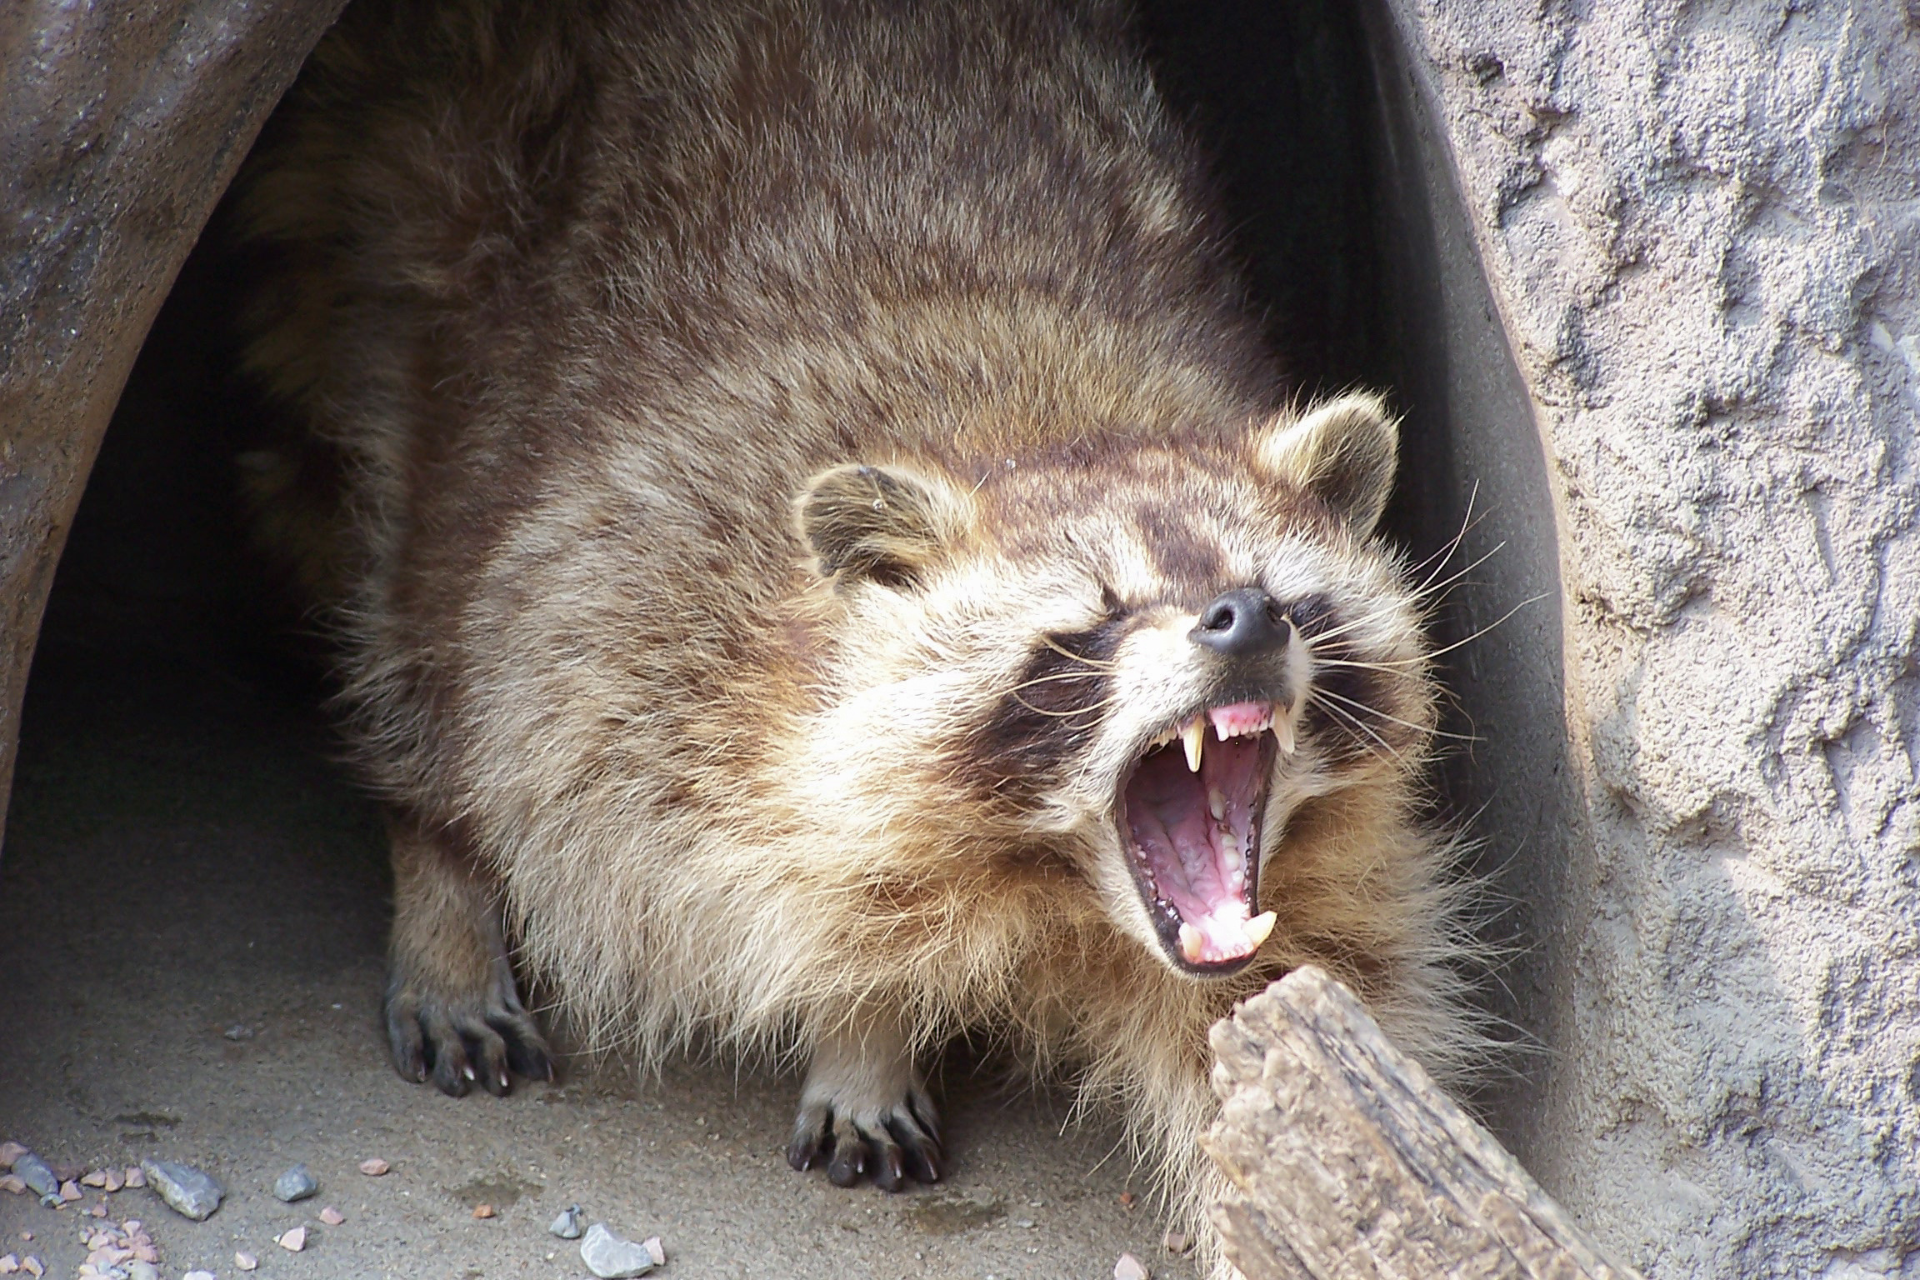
<point>1348,1162</point>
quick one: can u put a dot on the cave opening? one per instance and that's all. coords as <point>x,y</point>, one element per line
<point>195,895</point>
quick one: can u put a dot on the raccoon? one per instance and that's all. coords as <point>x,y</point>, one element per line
<point>823,560</point>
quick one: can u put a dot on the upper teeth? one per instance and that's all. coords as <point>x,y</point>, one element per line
<point>1278,720</point>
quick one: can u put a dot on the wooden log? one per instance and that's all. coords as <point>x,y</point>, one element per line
<point>1349,1163</point>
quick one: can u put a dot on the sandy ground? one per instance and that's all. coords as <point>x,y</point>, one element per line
<point>182,859</point>
<point>182,862</point>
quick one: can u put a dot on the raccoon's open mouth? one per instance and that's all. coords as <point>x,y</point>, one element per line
<point>1191,814</point>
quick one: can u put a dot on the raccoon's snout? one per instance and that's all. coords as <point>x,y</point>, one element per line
<point>1243,624</point>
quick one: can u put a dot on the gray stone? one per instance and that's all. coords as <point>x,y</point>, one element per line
<point>611,1258</point>
<point>567,1225</point>
<point>138,1270</point>
<point>33,1171</point>
<point>187,1190</point>
<point>295,1184</point>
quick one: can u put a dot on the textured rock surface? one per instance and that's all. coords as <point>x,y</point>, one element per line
<point>187,1190</point>
<point>295,1184</point>
<point>612,1258</point>
<point>1699,222</point>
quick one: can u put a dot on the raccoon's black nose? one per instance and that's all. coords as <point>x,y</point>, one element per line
<point>1241,624</point>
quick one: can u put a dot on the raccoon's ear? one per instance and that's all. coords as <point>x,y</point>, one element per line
<point>886,524</point>
<point>1342,452</point>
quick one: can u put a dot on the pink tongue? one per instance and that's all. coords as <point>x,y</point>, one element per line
<point>1196,861</point>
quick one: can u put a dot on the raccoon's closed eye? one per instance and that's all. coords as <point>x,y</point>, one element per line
<point>1313,614</point>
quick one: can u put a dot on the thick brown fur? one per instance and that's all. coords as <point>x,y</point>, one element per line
<point>737,408</point>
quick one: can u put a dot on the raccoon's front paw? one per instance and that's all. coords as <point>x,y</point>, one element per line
<point>886,1140</point>
<point>456,1041</point>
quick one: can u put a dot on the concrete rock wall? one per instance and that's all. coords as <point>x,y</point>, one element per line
<point>1700,223</point>
<point>120,126</point>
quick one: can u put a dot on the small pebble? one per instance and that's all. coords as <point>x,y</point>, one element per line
<point>294,1241</point>
<point>245,1261</point>
<point>9,1264</point>
<point>198,1275</point>
<point>187,1190</point>
<point>9,1152</point>
<point>112,1180</point>
<point>295,1184</point>
<point>611,1258</point>
<point>483,1211</point>
<point>13,1184</point>
<point>136,1177</point>
<point>567,1225</point>
<point>26,1235</point>
<point>1126,1199</point>
<point>1024,1222</point>
<point>374,1168</point>
<point>332,1216</point>
<point>31,1265</point>
<point>1130,1268</point>
<point>1177,1242</point>
<point>97,1178</point>
<point>70,1191</point>
<point>138,1270</point>
<point>98,1211</point>
<point>238,1031</point>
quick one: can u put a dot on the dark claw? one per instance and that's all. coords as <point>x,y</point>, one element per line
<point>458,1045</point>
<point>409,1049</point>
<point>446,1056</point>
<point>848,1163</point>
<point>890,1151</point>
<point>849,1154</point>
<point>926,1167</point>
<point>809,1138</point>
<point>888,1169</point>
<point>922,1150</point>
<point>527,1053</point>
<point>487,1053</point>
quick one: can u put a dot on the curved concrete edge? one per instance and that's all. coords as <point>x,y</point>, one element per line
<point>120,128</point>
<point>1699,230</point>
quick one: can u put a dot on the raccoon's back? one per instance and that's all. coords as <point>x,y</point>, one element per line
<point>575,293</point>
<point>504,228</point>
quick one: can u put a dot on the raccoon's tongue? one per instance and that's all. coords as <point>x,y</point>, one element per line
<point>1193,835</point>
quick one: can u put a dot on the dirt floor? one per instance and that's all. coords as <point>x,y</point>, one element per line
<point>193,904</point>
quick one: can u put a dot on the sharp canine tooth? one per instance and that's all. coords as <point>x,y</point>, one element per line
<point>1257,929</point>
<point>1194,736</point>
<point>1283,733</point>
<point>1217,803</point>
<point>1192,941</point>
